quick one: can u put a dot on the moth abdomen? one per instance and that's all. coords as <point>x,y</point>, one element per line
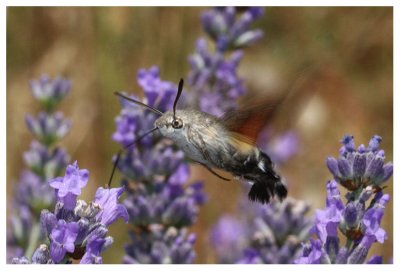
<point>267,183</point>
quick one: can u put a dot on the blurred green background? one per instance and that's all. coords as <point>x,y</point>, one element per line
<point>101,49</point>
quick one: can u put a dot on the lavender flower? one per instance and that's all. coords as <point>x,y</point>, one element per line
<point>229,238</point>
<point>50,92</point>
<point>213,77</point>
<point>44,161</point>
<point>278,230</point>
<point>359,224</point>
<point>76,229</point>
<point>159,201</point>
<point>222,26</point>
<point>69,186</point>
<point>160,195</point>
<point>48,128</point>
<point>214,80</point>
<point>161,245</point>
<point>132,120</point>
<point>361,167</point>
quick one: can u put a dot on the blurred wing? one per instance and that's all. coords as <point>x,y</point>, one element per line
<point>247,121</point>
<point>241,140</point>
<point>258,111</point>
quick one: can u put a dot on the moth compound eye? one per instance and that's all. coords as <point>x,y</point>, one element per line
<point>177,123</point>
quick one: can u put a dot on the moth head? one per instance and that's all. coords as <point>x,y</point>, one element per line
<point>170,124</point>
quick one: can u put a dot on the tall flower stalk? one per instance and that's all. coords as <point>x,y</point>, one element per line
<point>160,203</point>
<point>363,173</point>
<point>43,160</point>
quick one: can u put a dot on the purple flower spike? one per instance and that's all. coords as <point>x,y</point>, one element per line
<point>69,186</point>
<point>110,210</point>
<point>62,240</point>
<point>227,31</point>
<point>361,171</point>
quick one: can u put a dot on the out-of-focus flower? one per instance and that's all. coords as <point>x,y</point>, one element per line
<point>229,238</point>
<point>142,164</point>
<point>44,161</point>
<point>214,81</point>
<point>277,232</point>
<point>134,120</point>
<point>161,246</point>
<point>158,93</point>
<point>48,128</point>
<point>229,32</point>
<point>280,148</point>
<point>50,92</point>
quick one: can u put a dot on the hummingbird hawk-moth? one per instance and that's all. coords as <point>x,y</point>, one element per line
<point>209,141</point>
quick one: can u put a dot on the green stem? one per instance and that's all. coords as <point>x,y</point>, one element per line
<point>33,240</point>
<point>349,243</point>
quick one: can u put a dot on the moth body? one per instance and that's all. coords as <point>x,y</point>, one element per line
<point>205,139</point>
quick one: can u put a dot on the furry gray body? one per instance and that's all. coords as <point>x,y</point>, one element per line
<point>206,140</point>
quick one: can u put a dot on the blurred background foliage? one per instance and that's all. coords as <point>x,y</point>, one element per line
<point>348,89</point>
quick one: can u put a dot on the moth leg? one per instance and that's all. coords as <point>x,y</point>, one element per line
<point>212,171</point>
<point>215,173</point>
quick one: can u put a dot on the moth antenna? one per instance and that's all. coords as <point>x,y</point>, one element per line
<point>178,95</point>
<point>139,103</point>
<point>127,148</point>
